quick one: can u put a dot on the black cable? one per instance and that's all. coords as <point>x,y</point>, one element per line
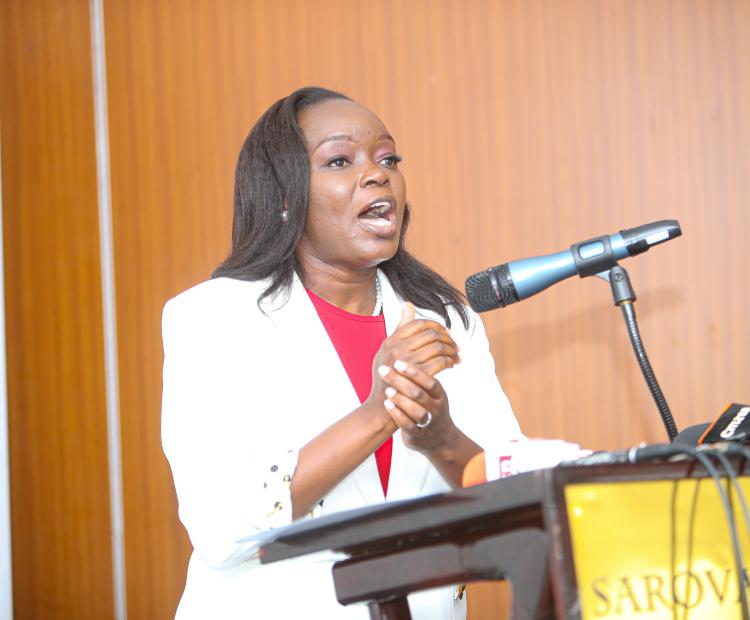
<point>646,453</point>
<point>731,472</point>
<point>673,542</point>
<point>733,449</point>
<point>691,538</point>
<point>716,452</point>
<point>628,313</point>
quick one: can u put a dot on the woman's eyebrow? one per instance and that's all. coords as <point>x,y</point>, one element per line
<point>348,138</point>
<point>334,139</point>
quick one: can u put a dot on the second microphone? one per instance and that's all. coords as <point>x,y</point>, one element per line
<point>511,282</point>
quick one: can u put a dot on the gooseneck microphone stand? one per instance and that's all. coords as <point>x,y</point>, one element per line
<point>624,297</point>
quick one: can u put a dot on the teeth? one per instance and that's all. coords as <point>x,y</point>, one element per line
<point>380,208</point>
<point>380,223</point>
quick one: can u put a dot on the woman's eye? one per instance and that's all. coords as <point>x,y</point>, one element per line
<point>391,160</point>
<point>337,162</point>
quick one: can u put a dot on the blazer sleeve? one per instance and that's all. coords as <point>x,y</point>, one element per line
<point>478,404</point>
<point>231,479</point>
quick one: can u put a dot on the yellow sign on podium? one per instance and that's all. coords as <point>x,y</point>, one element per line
<point>658,549</point>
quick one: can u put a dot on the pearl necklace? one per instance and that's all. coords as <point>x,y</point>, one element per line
<point>378,298</point>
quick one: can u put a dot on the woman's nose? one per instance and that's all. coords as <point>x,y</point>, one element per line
<point>373,174</point>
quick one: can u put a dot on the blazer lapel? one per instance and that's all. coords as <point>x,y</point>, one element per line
<point>333,393</point>
<point>312,357</point>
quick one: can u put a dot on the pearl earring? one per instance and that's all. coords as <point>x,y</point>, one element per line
<point>284,216</point>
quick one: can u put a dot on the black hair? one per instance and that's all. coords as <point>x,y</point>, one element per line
<point>272,176</point>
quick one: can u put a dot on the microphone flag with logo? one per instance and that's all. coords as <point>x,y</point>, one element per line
<point>732,425</point>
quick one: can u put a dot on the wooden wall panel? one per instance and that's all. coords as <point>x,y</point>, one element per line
<point>62,565</point>
<point>526,125</point>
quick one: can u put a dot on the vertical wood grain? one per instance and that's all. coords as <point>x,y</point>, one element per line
<point>56,407</point>
<point>526,125</point>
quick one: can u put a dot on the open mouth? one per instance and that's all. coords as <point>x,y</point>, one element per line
<point>379,217</point>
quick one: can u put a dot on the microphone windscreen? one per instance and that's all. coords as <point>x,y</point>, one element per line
<point>691,435</point>
<point>480,292</point>
<point>491,288</point>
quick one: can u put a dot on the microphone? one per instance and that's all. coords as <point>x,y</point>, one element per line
<point>511,282</point>
<point>642,452</point>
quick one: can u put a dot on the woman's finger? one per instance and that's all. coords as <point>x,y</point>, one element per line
<point>413,410</point>
<point>427,337</point>
<point>403,421</point>
<point>421,378</point>
<point>407,314</point>
<point>406,387</point>
<point>415,395</point>
<point>435,349</point>
<point>436,364</point>
<point>424,346</point>
<point>404,330</point>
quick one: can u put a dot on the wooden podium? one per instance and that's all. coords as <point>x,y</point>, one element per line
<point>517,528</point>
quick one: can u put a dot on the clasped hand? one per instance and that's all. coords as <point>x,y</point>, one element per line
<point>404,381</point>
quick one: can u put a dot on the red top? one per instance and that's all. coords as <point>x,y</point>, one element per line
<point>357,339</point>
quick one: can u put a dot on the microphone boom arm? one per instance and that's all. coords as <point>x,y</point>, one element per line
<point>624,297</point>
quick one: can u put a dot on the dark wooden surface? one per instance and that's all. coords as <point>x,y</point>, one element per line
<point>513,502</point>
<point>465,513</point>
<point>457,537</point>
<point>508,529</point>
<point>520,556</point>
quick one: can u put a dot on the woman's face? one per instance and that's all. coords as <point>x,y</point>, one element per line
<point>357,193</point>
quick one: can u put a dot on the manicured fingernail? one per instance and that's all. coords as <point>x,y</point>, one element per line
<point>400,365</point>
<point>390,392</point>
<point>389,405</point>
<point>384,370</point>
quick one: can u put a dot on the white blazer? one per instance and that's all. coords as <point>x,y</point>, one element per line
<point>243,391</point>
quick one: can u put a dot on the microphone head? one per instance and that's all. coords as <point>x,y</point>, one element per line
<point>490,289</point>
<point>479,292</point>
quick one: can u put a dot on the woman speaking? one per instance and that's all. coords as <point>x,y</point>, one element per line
<point>322,368</point>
